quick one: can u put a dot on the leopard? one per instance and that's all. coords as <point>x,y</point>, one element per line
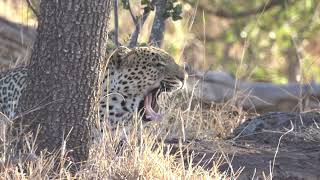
<point>131,83</point>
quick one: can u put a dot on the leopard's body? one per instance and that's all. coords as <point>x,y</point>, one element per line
<point>12,83</point>
<point>131,76</point>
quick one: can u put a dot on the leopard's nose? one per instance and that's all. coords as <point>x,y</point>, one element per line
<point>182,75</point>
<point>182,78</point>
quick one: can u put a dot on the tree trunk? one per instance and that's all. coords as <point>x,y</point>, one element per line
<point>62,90</point>
<point>158,26</point>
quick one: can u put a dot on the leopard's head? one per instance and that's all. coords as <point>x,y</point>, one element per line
<point>135,77</point>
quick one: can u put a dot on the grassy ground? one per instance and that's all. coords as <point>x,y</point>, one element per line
<point>145,156</point>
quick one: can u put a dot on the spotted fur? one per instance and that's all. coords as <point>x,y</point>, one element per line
<point>130,75</point>
<point>11,85</point>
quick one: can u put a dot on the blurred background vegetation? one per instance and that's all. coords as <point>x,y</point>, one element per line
<point>260,40</point>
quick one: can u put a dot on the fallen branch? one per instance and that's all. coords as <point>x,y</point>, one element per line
<point>220,87</point>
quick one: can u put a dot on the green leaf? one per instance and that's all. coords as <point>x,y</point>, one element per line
<point>145,2</point>
<point>178,9</point>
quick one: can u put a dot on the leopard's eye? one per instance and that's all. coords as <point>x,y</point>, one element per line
<point>160,65</point>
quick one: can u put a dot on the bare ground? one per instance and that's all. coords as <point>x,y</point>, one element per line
<point>258,155</point>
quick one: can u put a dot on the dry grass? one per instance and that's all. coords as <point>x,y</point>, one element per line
<point>135,162</point>
<point>144,156</point>
<point>189,118</point>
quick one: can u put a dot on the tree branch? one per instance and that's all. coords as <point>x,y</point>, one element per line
<point>33,9</point>
<point>139,24</point>
<point>131,13</point>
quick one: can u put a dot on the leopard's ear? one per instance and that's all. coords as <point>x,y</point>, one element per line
<point>118,56</point>
<point>128,58</point>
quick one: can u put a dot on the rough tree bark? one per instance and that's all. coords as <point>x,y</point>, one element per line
<point>63,82</point>
<point>158,26</point>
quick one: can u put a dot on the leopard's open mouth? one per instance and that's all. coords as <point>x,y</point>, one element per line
<point>148,107</point>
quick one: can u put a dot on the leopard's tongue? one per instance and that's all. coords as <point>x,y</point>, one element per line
<point>150,113</point>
